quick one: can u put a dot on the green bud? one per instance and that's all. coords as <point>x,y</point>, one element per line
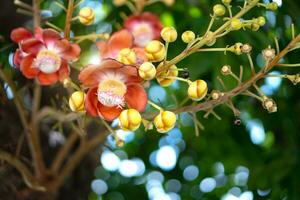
<point>272,6</point>
<point>219,10</point>
<point>236,24</point>
<point>261,21</point>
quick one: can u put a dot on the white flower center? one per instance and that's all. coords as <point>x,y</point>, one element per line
<point>142,33</point>
<point>111,92</point>
<point>47,61</point>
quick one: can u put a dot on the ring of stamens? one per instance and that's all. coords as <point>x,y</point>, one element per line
<point>47,61</point>
<point>111,93</point>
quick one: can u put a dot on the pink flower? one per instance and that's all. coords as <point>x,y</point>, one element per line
<point>111,86</point>
<point>144,28</point>
<point>118,41</point>
<point>44,55</point>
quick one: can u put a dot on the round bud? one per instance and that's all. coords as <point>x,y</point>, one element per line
<point>67,83</point>
<point>130,120</point>
<point>76,101</point>
<point>188,36</point>
<point>246,48</point>
<point>147,71</point>
<point>268,53</point>
<point>261,21</point>
<point>169,34</point>
<point>127,56</point>
<point>237,48</point>
<point>120,143</point>
<point>165,121</point>
<point>119,2</point>
<point>215,94</point>
<point>86,16</point>
<point>226,70</point>
<point>168,2</point>
<point>219,10</point>
<point>236,24</point>
<point>171,72</point>
<point>254,26</point>
<point>269,105</point>
<point>272,6</point>
<point>155,51</point>
<point>197,90</point>
<point>226,2</point>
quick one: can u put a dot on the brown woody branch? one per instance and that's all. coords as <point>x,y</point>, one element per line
<point>29,179</point>
<point>243,87</point>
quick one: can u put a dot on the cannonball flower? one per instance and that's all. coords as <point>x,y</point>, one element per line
<point>119,41</point>
<point>44,55</point>
<point>112,86</point>
<point>145,28</point>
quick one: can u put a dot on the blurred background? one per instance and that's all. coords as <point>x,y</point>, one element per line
<point>258,159</point>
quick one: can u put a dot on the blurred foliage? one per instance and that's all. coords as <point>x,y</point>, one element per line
<point>274,164</point>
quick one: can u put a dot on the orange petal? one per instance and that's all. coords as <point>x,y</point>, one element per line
<point>72,53</point>
<point>19,34</point>
<point>64,70</point>
<point>50,36</point>
<point>141,55</point>
<point>91,102</point>
<point>32,46</point>
<point>109,113</point>
<point>26,67</point>
<point>38,33</point>
<point>92,74</point>
<point>136,97</point>
<point>47,79</point>
<point>118,41</point>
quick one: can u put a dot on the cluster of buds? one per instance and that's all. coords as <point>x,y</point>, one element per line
<point>255,23</point>
<point>269,104</point>
<point>86,16</point>
<point>239,48</point>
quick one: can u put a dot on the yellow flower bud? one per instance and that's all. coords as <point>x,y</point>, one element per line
<point>127,56</point>
<point>272,6</point>
<point>236,24</point>
<point>165,121</point>
<point>188,36</point>
<point>171,72</point>
<point>169,34</point>
<point>197,90</point>
<point>155,51</point>
<point>168,2</point>
<point>76,101</point>
<point>147,71</point>
<point>219,10</point>
<point>261,21</point>
<point>86,16</point>
<point>226,2</point>
<point>119,2</point>
<point>130,119</point>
